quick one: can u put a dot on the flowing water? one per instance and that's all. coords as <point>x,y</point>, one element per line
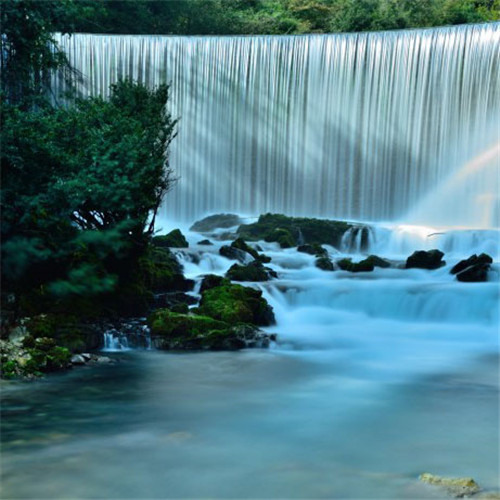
<point>342,126</point>
<point>376,377</point>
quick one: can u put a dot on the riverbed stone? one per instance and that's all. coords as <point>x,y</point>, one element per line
<point>457,487</point>
<point>325,263</point>
<point>78,359</point>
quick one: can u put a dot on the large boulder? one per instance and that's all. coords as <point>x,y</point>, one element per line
<point>236,304</point>
<point>473,269</point>
<point>211,281</point>
<point>160,272</point>
<point>242,245</point>
<point>174,239</point>
<point>170,330</point>
<point>254,271</point>
<point>216,221</point>
<point>290,231</point>
<point>425,259</point>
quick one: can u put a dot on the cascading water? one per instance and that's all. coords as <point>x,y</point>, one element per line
<point>343,126</point>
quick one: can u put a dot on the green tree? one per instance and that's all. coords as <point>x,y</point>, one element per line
<point>81,187</point>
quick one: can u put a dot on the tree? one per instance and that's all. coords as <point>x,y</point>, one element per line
<point>81,187</point>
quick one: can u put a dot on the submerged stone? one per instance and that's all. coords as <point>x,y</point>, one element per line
<point>457,487</point>
<point>314,249</point>
<point>425,259</point>
<point>205,242</point>
<point>376,261</point>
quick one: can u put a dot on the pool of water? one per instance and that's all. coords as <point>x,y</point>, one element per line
<point>252,424</point>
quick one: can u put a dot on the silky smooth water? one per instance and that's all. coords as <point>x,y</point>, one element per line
<point>376,378</point>
<point>362,126</point>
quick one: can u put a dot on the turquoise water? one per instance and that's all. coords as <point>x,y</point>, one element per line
<point>253,424</point>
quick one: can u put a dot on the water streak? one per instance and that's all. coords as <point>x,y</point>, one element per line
<point>345,126</point>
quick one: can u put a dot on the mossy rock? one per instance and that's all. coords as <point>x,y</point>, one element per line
<point>236,304</point>
<point>44,357</point>
<point>233,253</point>
<point>376,261</point>
<point>287,231</point>
<point>174,239</point>
<point>205,242</point>
<point>254,271</point>
<point>324,263</point>
<point>65,330</point>
<point>166,323</point>
<point>314,249</point>
<point>355,267</point>
<point>241,245</point>
<point>160,271</point>
<point>211,281</point>
<point>216,221</point>
<point>458,487</point>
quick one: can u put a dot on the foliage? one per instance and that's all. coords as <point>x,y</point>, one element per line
<point>227,17</point>
<point>29,51</point>
<point>80,189</point>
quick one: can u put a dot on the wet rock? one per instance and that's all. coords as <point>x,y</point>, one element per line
<point>78,359</point>
<point>172,331</point>
<point>324,263</point>
<point>104,360</point>
<point>376,261</point>
<point>457,487</point>
<point>236,304</point>
<point>174,239</point>
<point>211,281</point>
<point>205,242</point>
<point>473,269</point>
<point>315,249</point>
<point>422,259</point>
<point>474,274</point>
<point>355,267</point>
<point>233,253</point>
<point>254,271</point>
<point>473,260</point>
<point>216,221</point>
<point>171,299</point>
<point>290,231</point>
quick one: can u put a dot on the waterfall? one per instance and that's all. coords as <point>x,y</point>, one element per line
<point>358,126</point>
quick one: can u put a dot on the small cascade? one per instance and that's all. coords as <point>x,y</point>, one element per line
<point>356,240</point>
<point>134,334</point>
<point>114,341</point>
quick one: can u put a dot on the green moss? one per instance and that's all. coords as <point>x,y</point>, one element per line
<point>355,267</point>
<point>254,271</point>
<point>174,239</point>
<point>287,231</point>
<point>324,263</point>
<point>236,304</point>
<point>170,324</point>
<point>160,271</point>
